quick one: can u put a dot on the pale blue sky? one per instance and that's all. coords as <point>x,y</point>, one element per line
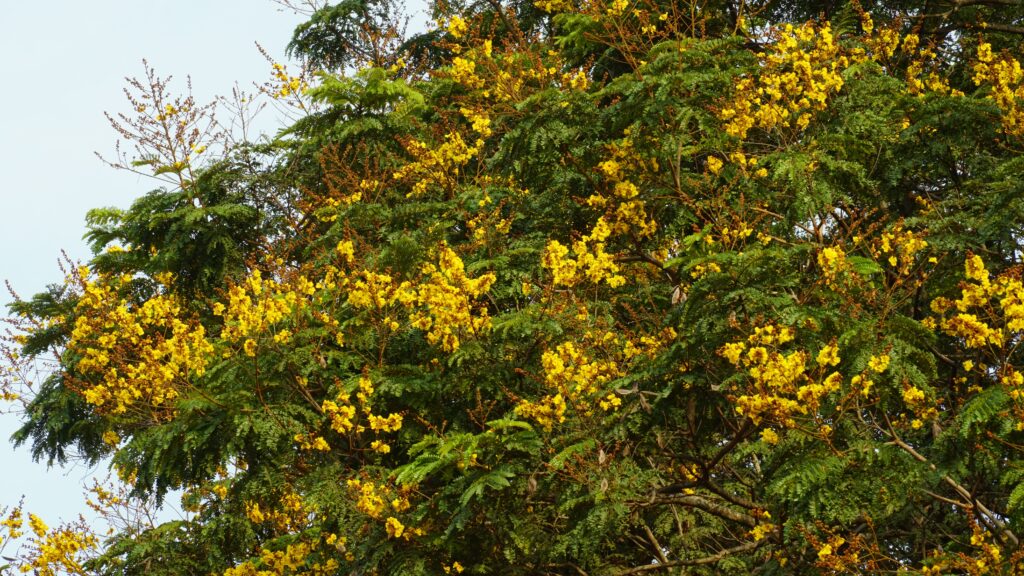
<point>64,66</point>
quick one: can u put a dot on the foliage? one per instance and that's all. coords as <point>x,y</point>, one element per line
<point>570,288</point>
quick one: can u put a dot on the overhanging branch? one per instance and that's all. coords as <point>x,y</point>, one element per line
<point>745,547</point>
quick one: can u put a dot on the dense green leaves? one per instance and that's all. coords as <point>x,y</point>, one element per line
<point>553,289</point>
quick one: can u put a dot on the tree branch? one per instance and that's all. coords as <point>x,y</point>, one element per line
<point>998,28</point>
<point>965,3</point>
<point>990,516</point>
<point>701,503</point>
<point>745,547</point>
<point>657,545</point>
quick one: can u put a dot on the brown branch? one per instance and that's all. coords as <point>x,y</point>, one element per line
<point>701,503</point>
<point>647,259</point>
<point>727,495</point>
<point>998,28</point>
<point>964,3</point>
<point>497,7</point>
<point>657,546</point>
<point>746,547</point>
<point>578,570</point>
<point>707,469</point>
<point>989,516</point>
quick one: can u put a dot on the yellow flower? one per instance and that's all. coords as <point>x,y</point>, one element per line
<point>879,363</point>
<point>457,27</point>
<point>714,165</point>
<point>829,356</point>
<point>39,528</point>
<point>913,396</point>
<point>394,527</point>
<point>455,568</point>
<point>346,250</point>
<point>760,531</point>
<point>610,402</point>
<point>732,352</point>
<point>975,268</point>
<point>111,438</point>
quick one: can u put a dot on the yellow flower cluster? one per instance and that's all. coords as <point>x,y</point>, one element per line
<point>715,165</point>
<point>800,70</point>
<point>105,500</point>
<point>991,553</point>
<point>169,110</point>
<point>1014,383</point>
<point>463,71</point>
<point>577,376</point>
<point>617,7</point>
<point>898,247</point>
<point>591,261</point>
<point>828,548</point>
<point>508,86</point>
<point>547,412</point>
<point>879,363</point>
<point>373,291</point>
<point>391,423</point>
<point>771,335</point>
<point>934,81</point>
<point>342,418</point>
<point>286,84</point>
<point>624,211</point>
<point>649,344</point>
<point>986,309</point>
<point>292,514</point>
<point>439,166</point>
<point>445,301</point>
<point>257,306</point>
<point>832,260</point>
<point>490,223</point>
<point>882,46</point>
<point>394,527</point>
<point>457,27</point>
<point>442,305</point>
<point>988,315</point>
<point>1006,79</point>
<point>133,354</point>
<point>701,270</point>
<point>289,559</point>
<point>884,43</point>
<point>828,355</point>
<point>778,386</point>
<point>734,236</point>
<point>568,369</point>
<point>294,559</point>
<point>58,551</point>
<point>371,500</point>
<point>312,442</point>
<point>553,6</point>
<point>480,121</point>
<point>340,412</point>
<point>976,333</point>
<point>12,523</point>
<point>575,81</point>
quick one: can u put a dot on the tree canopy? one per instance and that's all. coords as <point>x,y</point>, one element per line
<point>562,287</point>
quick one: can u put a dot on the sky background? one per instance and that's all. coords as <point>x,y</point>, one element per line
<point>65,65</point>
